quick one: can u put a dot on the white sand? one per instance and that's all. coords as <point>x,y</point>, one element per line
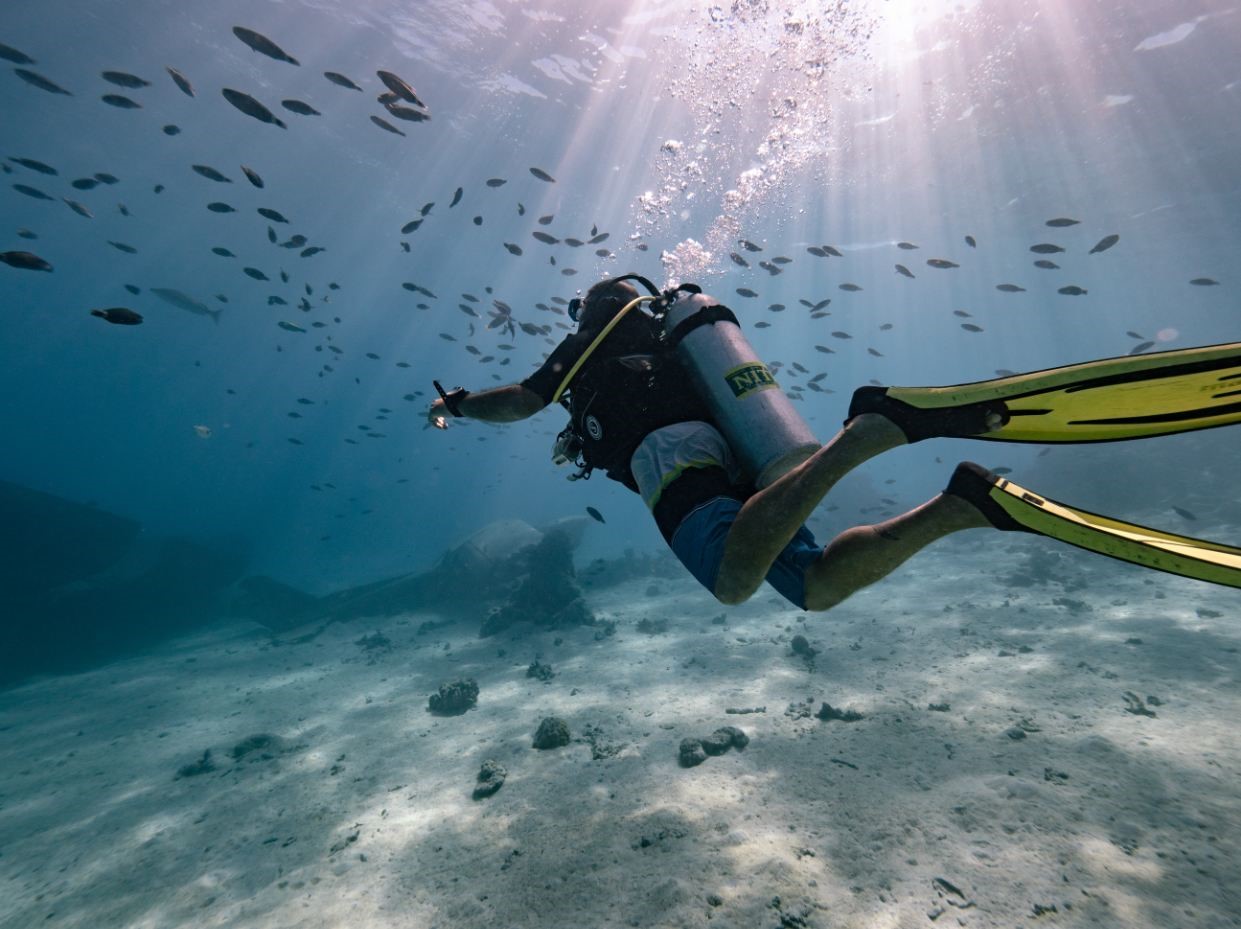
<point>1115,819</point>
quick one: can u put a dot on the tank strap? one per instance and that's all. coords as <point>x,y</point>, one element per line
<point>707,316</point>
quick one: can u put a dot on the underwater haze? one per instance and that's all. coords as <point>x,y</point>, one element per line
<point>662,124</point>
<point>910,192</point>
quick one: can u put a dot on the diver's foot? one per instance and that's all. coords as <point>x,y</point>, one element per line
<point>972,484</point>
<point>964,421</point>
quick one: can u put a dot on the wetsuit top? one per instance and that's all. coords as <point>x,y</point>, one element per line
<point>629,387</point>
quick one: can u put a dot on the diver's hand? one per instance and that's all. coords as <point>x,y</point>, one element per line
<point>437,414</point>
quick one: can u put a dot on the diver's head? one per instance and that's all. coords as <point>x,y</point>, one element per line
<point>603,301</point>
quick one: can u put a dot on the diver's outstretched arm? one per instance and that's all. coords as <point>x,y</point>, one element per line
<point>499,405</point>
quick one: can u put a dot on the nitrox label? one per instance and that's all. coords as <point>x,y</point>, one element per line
<point>746,379</point>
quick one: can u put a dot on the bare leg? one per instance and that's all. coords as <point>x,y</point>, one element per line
<point>862,555</point>
<point>770,518</point>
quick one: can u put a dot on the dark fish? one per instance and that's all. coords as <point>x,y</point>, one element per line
<point>737,259</point>
<point>601,237</point>
<point>970,327</point>
<point>941,263</point>
<point>133,289</point>
<point>385,125</point>
<point>765,265</point>
<point>340,80</point>
<point>427,208</point>
<point>521,209</point>
<point>271,214</point>
<point>38,80</point>
<point>296,241</point>
<point>820,305</point>
<point>218,207</point>
<point>223,252</point>
<point>27,261</point>
<point>908,246</point>
<point>171,130</point>
<point>256,274</point>
<point>825,350</point>
<point>851,288</point>
<point>313,250</point>
<point>746,292</point>
<point>252,176</point>
<point>210,174</point>
<point>121,102</point>
<point>284,276</point>
<point>477,220</point>
<point>874,352</point>
<point>263,45</point>
<point>124,79</point>
<point>276,301</point>
<point>9,53</point>
<point>546,220</point>
<point>901,269</point>
<point>834,252</point>
<point>1010,288</point>
<point>78,208</point>
<point>816,251</point>
<point>762,325</point>
<point>1184,514</point>
<point>181,81</point>
<point>1105,243</point>
<point>31,192</point>
<point>407,113</point>
<point>544,237</point>
<point>103,178</point>
<point>1046,265</point>
<point>1141,347</point>
<point>841,335</point>
<point>411,226</point>
<point>749,246</point>
<point>1061,222</point>
<point>574,243</point>
<point>299,107</point>
<point>496,182</point>
<point>1071,291</point>
<point>1204,282</point>
<point>400,88</point>
<point>1045,248</point>
<point>85,183</point>
<point>122,247</point>
<point>513,249</point>
<point>389,97</point>
<point>119,315</point>
<point>970,241</point>
<point>962,314</point>
<point>595,514</point>
<point>122,209</point>
<point>35,166</point>
<point>1134,335</point>
<point>542,175</point>
<point>271,235</point>
<point>781,260</point>
<point>251,107</point>
<point>456,197</point>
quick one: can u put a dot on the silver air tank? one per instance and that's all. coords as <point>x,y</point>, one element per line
<point>757,419</point>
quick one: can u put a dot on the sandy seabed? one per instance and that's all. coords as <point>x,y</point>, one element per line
<point>1031,794</point>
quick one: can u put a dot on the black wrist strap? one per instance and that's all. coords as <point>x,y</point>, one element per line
<point>452,401</point>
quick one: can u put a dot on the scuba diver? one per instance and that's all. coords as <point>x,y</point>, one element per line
<point>670,399</point>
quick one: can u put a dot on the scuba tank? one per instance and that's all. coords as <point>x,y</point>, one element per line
<point>757,419</point>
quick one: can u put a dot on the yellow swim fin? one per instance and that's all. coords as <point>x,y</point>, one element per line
<point>1130,397</point>
<point>1009,506</point>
